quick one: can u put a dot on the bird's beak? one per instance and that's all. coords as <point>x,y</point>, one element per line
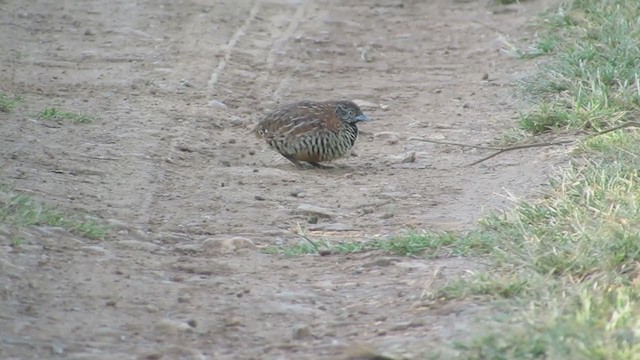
<point>362,117</point>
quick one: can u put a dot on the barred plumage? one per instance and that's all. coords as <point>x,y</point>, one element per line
<point>312,131</point>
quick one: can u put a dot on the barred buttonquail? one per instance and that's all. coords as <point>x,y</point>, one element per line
<point>312,131</point>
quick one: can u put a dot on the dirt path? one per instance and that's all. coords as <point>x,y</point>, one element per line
<point>170,162</point>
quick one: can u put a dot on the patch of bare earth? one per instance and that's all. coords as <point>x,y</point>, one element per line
<point>171,164</point>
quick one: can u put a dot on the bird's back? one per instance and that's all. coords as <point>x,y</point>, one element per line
<point>304,117</point>
<point>307,131</point>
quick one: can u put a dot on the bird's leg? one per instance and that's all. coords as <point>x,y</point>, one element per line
<point>294,161</point>
<point>320,166</point>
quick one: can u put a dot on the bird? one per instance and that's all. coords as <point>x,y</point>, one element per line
<point>312,131</point>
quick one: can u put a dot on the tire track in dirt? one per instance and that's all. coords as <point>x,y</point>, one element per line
<point>199,172</point>
<point>119,185</point>
<point>213,79</point>
<point>278,47</point>
<point>252,52</point>
<point>263,40</point>
<point>168,176</point>
<point>429,92</point>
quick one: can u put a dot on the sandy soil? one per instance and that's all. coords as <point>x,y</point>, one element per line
<point>171,164</point>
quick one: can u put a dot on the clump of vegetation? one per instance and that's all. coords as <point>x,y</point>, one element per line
<point>8,103</point>
<point>19,210</point>
<point>592,80</point>
<point>409,244</point>
<point>56,114</point>
<point>565,267</point>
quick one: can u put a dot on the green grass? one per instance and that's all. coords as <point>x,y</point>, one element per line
<point>592,80</point>
<point>17,241</point>
<point>563,273</point>
<point>20,211</point>
<point>56,114</point>
<point>508,2</point>
<point>567,266</point>
<point>485,284</point>
<point>8,103</point>
<point>565,269</point>
<point>430,244</point>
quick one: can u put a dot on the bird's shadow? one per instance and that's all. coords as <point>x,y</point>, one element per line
<point>334,169</point>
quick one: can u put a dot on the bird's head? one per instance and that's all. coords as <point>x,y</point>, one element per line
<point>349,112</point>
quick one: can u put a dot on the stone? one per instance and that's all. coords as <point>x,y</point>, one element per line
<point>308,209</point>
<point>236,121</point>
<point>169,326</point>
<point>405,158</point>
<point>137,245</point>
<point>330,227</point>
<point>301,332</point>
<point>389,137</point>
<point>217,246</point>
<point>93,249</point>
<point>410,158</point>
<point>217,104</point>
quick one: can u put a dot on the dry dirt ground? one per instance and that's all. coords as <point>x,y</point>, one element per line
<point>169,162</point>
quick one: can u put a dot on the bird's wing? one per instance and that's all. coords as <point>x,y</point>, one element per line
<point>298,119</point>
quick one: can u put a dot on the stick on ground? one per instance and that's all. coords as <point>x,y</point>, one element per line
<point>499,151</point>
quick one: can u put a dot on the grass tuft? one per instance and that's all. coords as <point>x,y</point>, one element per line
<point>56,114</point>
<point>592,80</point>
<point>8,103</point>
<point>489,285</point>
<point>409,244</point>
<point>20,210</point>
<point>565,267</point>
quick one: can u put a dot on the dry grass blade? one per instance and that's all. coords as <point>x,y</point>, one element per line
<point>301,233</point>
<point>456,144</point>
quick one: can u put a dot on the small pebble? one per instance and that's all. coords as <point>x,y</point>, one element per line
<point>232,321</point>
<point>217,104</point>
<point>367,210</point>
<point>301,332</point>
<point>237,122</point>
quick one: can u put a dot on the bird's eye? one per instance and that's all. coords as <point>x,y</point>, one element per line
<point>351,113</point>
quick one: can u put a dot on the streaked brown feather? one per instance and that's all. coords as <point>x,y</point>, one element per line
<point>308,131</point>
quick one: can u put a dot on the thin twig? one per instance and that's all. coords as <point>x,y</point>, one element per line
<point>456,144</point>
<point>489,27</point>
<point>41,123</point>
<point>553,143</point>
<point>522,146</point>
<point>300,233</point>
<point>99,157</point>
<point>635,124</point>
